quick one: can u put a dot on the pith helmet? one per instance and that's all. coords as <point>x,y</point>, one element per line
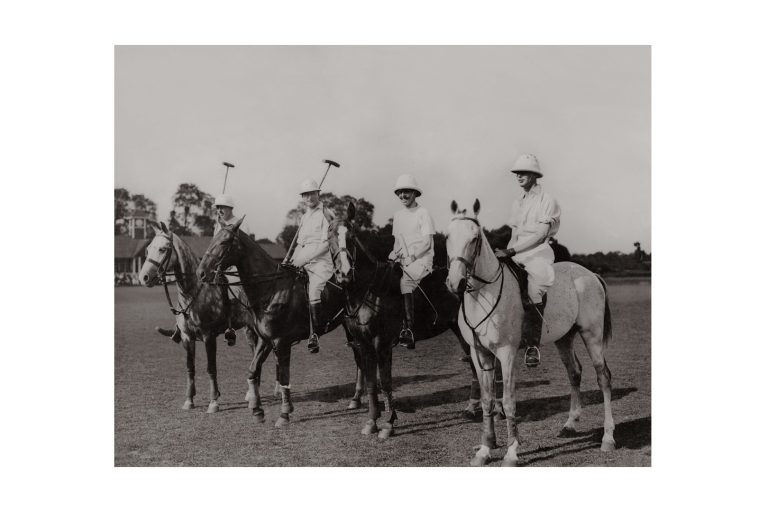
<point>407,181</point>
<point>224,200</point>
<point>527,163</point>
<point>309,186</point>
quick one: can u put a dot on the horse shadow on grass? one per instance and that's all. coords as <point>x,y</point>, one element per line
<point>633,435</point>
<point>535,409</point>
<point>331,394</point>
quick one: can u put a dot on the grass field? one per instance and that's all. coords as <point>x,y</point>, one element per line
<point>431,388</point>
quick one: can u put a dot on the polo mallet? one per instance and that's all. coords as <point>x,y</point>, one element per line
<point>330,163</point>
<point>296,236</point>
<point>227,165</point>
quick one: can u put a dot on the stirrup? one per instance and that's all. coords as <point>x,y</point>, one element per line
<point>532,357</point>
<point>406,339</point>
<point>230,336</point>
<point>313,343</point>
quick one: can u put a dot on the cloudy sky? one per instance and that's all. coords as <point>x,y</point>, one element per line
<point>454,116</point>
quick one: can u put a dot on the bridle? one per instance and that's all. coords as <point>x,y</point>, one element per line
<point>162,272</point>
<point>469,273</point>
<point>469,266</point>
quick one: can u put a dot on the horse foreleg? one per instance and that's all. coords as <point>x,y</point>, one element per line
<point>473,410</point>
<point>283,352</point>
<point>484,365</point>
<point>384,362</point>
<point>210,351</point>
<point>595,346</point>
<point>506,356</point>
<point>189,349</point>
<point>573,367</point>
<point>368,357</point>
<point>261,350</point>
<point>355,402</point>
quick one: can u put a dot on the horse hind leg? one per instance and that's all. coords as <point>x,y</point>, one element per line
<point>594,341</point>
<point>573,367</point>
<point>189,349</point>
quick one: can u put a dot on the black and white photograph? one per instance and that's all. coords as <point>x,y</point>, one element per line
<point>382,255</point>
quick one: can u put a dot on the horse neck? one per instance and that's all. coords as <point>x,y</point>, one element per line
<point>369,276</point>
<point>186,266</point>
<point>252,266</point>
<point>486,264</point>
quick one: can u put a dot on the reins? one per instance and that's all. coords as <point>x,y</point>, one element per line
<point>163,272</point>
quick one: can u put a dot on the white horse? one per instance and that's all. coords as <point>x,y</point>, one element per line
<point>491,318</point>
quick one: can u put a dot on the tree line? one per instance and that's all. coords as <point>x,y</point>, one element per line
<point>193,214</point>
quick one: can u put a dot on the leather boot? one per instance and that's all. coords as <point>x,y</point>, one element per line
<point>175,335</point>
<point>406,338</point>
<point>318,325</point>
<point>532,320</point>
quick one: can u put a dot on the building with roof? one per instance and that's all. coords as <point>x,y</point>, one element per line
<point>130,249</point>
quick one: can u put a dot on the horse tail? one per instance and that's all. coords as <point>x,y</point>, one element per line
<point>607,324</point>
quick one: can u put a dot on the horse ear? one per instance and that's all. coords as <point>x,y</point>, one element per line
<point>164,228</point>
<point>351,211</point>
<point>237,224</point>
<point>476,207</point>
<point>454,207</point>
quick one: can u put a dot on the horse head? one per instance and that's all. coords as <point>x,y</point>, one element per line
<point>462,245</point>
<point>160,256</point>
<point>340,234</point>
<point>225,250</point>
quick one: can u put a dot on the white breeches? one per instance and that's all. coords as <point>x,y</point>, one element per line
<point>319,272</point>
<point>412,274</point>
<point>541,275</point>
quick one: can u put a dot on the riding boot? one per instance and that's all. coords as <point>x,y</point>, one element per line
<point>532,320</point>
<point>406,335</point>
<point>318,325</point>
<point>175,335</point>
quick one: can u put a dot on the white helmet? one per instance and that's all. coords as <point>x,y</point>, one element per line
<point>224,200</point>
<point>309,186</point>
<point>407,181</point>
<point>527,163</point>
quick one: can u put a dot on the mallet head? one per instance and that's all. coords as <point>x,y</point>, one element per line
<point>331,162</point>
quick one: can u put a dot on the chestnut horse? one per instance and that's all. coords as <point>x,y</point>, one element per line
<point>278,301</point>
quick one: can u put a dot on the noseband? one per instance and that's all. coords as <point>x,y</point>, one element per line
<point>469,266</point>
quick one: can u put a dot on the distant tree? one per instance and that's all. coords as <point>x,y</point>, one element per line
<point>195,208</point>
<point>175,226</point>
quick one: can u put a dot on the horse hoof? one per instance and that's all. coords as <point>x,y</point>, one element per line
<point>213,407</point>
<point>473,416</point>
<point>509,463</point>
<point>259,415</point>
<point>188,405</point>
<point>354,404</point>
<point>608,446</point>
<point>386,431</point>
<point>568,432</point>
<point>477,462</point>
<point>369,428</point>
<point>282,421</point>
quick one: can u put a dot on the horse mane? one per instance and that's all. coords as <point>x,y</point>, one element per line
<point>258,255</point>
<point>187,262</point>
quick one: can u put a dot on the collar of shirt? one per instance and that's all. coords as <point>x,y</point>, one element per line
<point>535,190</point>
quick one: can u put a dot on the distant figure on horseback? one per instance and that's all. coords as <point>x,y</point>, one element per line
<point>313,256</point>
<point>413,229</point>
<point>535,219</point>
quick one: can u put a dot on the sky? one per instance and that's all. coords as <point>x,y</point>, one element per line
<point>456,117</point>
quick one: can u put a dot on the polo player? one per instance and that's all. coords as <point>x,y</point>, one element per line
<point>313,255</point>
<point>534,221</point>
<point>413,229</point>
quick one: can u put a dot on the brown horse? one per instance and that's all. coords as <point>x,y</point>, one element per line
<point>201,312</point>
<point>492,314</point>
<point>279,304</point>
<point>374,312</point>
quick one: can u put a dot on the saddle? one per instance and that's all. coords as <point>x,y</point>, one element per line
<point>521,275</point>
